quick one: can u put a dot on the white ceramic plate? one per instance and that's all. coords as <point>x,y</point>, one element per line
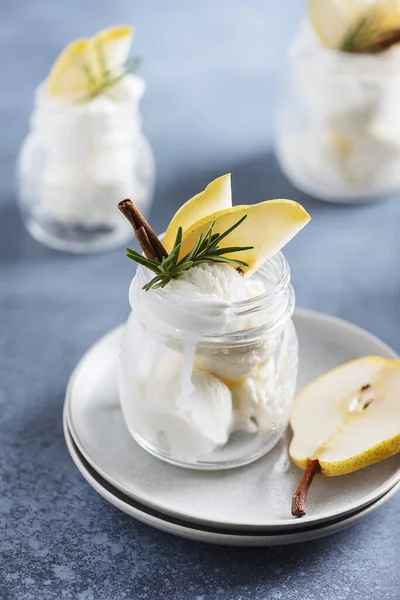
<point>204,534</point>
<point>257,496</point>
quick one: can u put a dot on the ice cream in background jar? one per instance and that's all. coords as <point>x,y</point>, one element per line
<point>337,119</point>
<point>209,356</point>
<point>85,148</point>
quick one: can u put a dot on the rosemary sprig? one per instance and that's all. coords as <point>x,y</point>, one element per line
<point>367,36</point>
<point>108,78</point>
<point>360,33</point>
<point>206,250</point>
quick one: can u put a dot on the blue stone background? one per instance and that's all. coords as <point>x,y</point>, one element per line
<point>212,68</point>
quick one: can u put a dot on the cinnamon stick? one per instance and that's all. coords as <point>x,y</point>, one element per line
<point>145,244</point>
<point>145,235</point>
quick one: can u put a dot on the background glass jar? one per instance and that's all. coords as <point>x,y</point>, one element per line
<point>209,385</point>
<point>338,123</point>
<point>78,161</point>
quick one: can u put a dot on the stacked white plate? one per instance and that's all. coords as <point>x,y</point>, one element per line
<point>248,506</point>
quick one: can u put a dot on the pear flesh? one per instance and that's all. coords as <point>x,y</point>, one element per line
<point>347,419</point>
<point>268,225</point>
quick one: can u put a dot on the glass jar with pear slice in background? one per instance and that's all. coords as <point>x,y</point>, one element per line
<point>337,121</point>
<point>209,355</point>
<point>85,147</point>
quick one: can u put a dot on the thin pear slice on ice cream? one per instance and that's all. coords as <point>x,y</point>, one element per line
<point>217,196</point>
<point>114,43</point>
<point>347,419</point>
<point>82,65</point>
<point>361,22</point>
<point>332,19</point>
<point>268,226</point>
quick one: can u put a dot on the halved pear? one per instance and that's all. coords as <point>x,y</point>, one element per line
<point>347,419</point>
<point>216,196</point>
<point>268,227</point>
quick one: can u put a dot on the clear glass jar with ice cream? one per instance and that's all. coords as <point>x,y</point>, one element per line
<point>337,121</point>
<point>85,147</point>
<point>209,356</point>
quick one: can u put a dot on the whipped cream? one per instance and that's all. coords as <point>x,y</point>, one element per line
<point>196,395</point>
<point>346,141</point>
<point>83,154</point>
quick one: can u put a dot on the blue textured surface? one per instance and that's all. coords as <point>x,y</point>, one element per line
<point>212,68</point>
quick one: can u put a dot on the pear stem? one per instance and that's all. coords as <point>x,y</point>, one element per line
<point>300,496</point>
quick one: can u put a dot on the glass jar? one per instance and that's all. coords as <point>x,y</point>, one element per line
<point>78,161</point>
<point>337,122</point>
<point>210,384</point>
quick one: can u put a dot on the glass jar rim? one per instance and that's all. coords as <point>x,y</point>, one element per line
<point>218,320</point>
<point>278,262</point>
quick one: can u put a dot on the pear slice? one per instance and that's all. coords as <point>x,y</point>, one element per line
<point>114,43</point>
<point>216,196</point>
<point>347,419</point>
<point>80,65</point>
<point>68,75</point>
<point>268,227</point>
<point>334,20</point>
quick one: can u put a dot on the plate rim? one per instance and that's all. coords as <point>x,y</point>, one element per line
<point>277,525</point>
<point>189,530</point>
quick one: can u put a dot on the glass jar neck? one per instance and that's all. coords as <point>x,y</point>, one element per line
<point>213,319</point>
